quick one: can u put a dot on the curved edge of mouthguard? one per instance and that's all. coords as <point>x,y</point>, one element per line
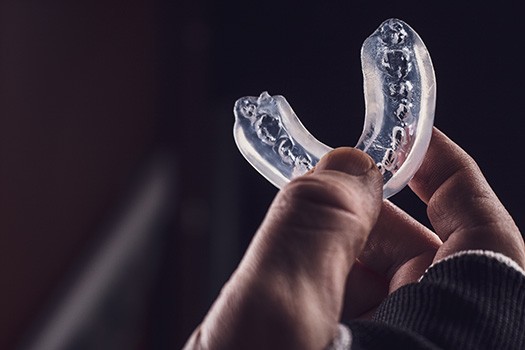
<point>400,97</point>
<point>272,138</point>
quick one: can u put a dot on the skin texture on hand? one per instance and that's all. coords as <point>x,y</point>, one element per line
<point>464,212</point>
<point>462,208</point>
<point>288,290</point>
<point>329,247</point>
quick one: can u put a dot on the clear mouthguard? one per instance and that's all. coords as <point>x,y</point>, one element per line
<point>400,97</point>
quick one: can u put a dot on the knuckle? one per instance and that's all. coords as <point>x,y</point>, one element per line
<point>317,190</point>
<point>329,202</point>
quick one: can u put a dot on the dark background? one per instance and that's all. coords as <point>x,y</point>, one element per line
<point>92,93</point>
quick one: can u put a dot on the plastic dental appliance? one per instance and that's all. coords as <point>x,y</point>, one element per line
<point>400,97</point>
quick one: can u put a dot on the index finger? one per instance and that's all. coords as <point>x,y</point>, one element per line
<point>462,208</point>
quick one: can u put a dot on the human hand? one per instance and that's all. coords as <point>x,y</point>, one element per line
<point>464,212</point>
<point>289,290</point>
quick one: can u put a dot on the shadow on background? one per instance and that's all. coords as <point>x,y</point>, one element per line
<point>124,203</point>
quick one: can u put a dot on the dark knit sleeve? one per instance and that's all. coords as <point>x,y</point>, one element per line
<point>470,301</point>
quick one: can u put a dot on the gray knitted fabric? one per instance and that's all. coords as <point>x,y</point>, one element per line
<point>468,301</point>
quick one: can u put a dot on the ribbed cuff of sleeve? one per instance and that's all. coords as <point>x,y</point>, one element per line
<point>478,252</point>
<point>343,340</point>
<point>467,301</point>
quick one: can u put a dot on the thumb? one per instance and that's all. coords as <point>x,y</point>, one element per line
<point>321,221</point>
<point>288,290</point>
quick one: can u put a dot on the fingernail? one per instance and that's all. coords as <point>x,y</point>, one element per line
<point>347,160</point>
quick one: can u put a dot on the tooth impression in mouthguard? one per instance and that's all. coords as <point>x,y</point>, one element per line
<point>400,97</point>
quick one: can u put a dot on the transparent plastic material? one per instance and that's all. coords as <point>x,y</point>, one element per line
<point>400,97</point>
